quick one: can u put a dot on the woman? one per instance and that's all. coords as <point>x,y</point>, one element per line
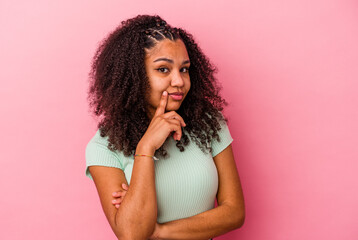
<point>153,88</point>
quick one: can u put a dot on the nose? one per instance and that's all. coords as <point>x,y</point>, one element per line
<point>177,79</point>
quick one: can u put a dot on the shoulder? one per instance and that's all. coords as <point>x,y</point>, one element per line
<point>224,140</point>
<point>98,144</point>
<point>98,154</point>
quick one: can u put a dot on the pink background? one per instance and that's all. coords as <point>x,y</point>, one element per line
<point>288,69</point>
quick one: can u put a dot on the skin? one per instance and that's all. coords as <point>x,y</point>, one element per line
<point>229,215</point>
<point>120,202</point>
<point>167,66</point>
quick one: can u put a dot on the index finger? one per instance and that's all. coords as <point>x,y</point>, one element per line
<point>162,104</point>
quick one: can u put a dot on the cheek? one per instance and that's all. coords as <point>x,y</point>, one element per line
<point>158,86</point>
<point>188,84</point>
<point>156,90</point>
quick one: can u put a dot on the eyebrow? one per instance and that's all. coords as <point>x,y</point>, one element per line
<point>169,60</point>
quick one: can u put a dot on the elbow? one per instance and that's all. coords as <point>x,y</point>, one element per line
<point>133,230</point>
<point>239,219</point>
<point>134,233</point>
<point>129,224</point>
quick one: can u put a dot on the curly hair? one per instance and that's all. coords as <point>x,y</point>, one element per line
<point>118,80</point>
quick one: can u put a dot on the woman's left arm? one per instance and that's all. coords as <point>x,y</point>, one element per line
<point>227,216</point>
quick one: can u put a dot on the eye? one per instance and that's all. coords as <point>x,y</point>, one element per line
<point>185,69</point>
<point>163,70</point>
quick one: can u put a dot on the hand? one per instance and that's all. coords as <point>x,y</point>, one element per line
<point>119,195</point>
<point>162,125</point>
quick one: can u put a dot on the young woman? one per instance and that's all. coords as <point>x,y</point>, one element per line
<point>162,152</point>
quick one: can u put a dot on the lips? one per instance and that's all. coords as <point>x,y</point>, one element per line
<point>176,95</point>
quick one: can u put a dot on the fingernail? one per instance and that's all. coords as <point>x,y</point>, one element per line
<point>113,201</point>
<point>165,93</point>
<point>117,205</point>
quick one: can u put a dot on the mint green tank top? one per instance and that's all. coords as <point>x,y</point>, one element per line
<point>186,182</point>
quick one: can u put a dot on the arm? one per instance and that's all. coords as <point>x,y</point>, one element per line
<point>129,222</point>
<point>229,214</point>
<point>137,218</point>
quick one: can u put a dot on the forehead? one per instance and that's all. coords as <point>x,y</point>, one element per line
<point>167,48</point>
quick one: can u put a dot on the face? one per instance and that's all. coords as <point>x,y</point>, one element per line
<point>167,66</point>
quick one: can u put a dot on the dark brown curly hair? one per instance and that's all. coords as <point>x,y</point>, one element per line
<point>118,82</point>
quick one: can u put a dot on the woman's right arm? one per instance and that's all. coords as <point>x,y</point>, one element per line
<point>136,217</point>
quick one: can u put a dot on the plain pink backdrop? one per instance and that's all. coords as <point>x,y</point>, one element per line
<point>288,69</point>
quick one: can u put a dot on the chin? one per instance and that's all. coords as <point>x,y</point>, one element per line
<point>173,107</point>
